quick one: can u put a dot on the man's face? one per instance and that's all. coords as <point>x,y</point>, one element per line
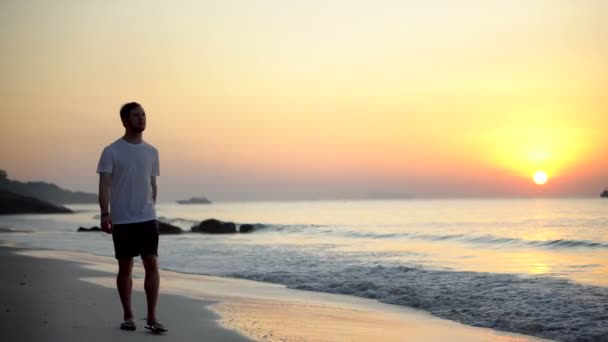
<point>137,120</point>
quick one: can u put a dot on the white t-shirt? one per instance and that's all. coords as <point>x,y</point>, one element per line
<point>131,166</point>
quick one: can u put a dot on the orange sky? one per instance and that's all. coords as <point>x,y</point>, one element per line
<point>313,99</point>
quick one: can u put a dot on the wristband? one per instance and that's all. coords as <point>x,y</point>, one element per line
<point>104,214</point>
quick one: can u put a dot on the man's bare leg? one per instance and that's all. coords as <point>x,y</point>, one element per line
<point>151,284</point>
<point>124,284</point>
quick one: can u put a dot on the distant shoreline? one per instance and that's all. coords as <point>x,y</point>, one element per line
<point>355,199</point>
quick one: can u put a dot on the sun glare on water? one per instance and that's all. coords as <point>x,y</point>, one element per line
<point>540,177</point>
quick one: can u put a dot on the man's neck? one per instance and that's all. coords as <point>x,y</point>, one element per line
<point>133,138</point>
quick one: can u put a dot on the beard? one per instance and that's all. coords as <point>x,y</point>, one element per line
<point>136,128</point>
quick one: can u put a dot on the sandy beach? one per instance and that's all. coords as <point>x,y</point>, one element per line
<point>44,300</point>
<point>70,296</point>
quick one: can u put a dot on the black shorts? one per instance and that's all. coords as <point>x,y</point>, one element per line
<point>133,239</point>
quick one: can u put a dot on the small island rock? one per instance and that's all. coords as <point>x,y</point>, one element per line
<point>92,229</point>
<point>195,200</point>
<point>165,228</point>
<point>246,228</point>
<point>214,226</point>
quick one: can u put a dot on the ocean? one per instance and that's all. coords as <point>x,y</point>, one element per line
<point>532,266</point>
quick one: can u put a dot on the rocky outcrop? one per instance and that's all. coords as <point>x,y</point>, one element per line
<point>604,194</point>
<point>92,229</point>
<point>11,203</point>
<point>210,226</point>
<point>213,226</point>
<point>165,228</point>
<point>246,228</point>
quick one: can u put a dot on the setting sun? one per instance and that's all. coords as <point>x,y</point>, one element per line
<point>540,177</point>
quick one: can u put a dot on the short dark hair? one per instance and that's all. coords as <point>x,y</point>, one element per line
<point>126,109</point>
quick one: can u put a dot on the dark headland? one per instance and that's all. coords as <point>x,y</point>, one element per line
<point>11,203</point>
<point>47,192</point>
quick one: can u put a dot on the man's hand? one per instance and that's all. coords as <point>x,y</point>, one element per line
<point>106,224</point>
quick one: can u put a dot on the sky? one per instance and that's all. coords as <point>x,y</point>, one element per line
<point>287,100</point>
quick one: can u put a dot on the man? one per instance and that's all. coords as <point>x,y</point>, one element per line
<point>127,196</point>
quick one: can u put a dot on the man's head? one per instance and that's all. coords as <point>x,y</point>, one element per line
<point>133,117</point>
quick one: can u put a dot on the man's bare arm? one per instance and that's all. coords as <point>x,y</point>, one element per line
<point>154,188</point>
<point>105,181</point>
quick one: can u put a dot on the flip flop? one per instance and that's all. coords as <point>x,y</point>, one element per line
<point>128,325</point>
<point>156,327</point>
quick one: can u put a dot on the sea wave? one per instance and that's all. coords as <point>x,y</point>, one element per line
<point>486,240</point>
<point>542,306</point>
<point>491,240</point>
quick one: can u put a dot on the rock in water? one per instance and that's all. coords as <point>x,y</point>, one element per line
<point>92,229</point>
<point>195,200</point>
<point>165,228</point>
<point>246,228</point>
<point>214,226</point>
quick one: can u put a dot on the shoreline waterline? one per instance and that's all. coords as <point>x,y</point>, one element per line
<point>270,312</point>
